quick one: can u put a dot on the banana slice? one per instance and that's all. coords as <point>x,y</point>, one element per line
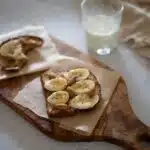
<point>58,98</point>
<point>79,74</point>
<point>84,101</point>
<point>82,86</point>
<point>48,75</point>
<point>61,106</point>
<point>56,84</point>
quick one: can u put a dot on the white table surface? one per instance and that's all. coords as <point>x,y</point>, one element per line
<point>62,19</point>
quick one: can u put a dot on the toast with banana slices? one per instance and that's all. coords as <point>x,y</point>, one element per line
<point>70,92</point>
<point>13,52</point>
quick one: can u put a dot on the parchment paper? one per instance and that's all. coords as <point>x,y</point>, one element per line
<point>38,59</point>
<point>32,97</point>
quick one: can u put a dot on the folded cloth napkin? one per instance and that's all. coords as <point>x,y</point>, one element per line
<point>135,29</point>
<point>38,60</point>
<point>138,2</point>
<point>131,1</point>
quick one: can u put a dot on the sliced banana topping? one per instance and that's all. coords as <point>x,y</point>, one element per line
<point>56,84</point>
<point>48,76</point>
<point>58,98</point>
<point>69,91</point>
<point>79,74</point>
<point>61,106</point>
<point>84,101</point>
<point>82,86</point>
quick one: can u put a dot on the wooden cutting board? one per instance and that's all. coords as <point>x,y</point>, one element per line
<point>118,124</point>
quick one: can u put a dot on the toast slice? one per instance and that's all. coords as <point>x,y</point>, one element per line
<point>72,104</point>
<point>13,52</point>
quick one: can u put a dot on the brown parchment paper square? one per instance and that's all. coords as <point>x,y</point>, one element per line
<point>32,97</point>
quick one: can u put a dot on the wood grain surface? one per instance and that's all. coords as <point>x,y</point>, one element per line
<point>118,125</point>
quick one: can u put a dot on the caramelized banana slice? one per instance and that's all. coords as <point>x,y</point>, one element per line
<point>84,101</point>
<point>61,106</point>
<point>77,74</point>
<point>56,84</point>
<point>48,75</point>
<point>59,98</point>
<point>82,86</point>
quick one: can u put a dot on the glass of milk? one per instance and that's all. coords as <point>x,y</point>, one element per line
<point>101,20</point>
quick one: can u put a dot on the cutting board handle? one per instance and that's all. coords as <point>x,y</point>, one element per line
<point>144,137</point>
<point>122,127</point>
<point>132,140</point>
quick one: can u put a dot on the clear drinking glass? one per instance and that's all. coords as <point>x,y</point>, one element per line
<point>101,20</point>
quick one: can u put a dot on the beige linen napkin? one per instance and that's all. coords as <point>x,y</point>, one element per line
<point>135,29</point>
<point>38,59</point>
